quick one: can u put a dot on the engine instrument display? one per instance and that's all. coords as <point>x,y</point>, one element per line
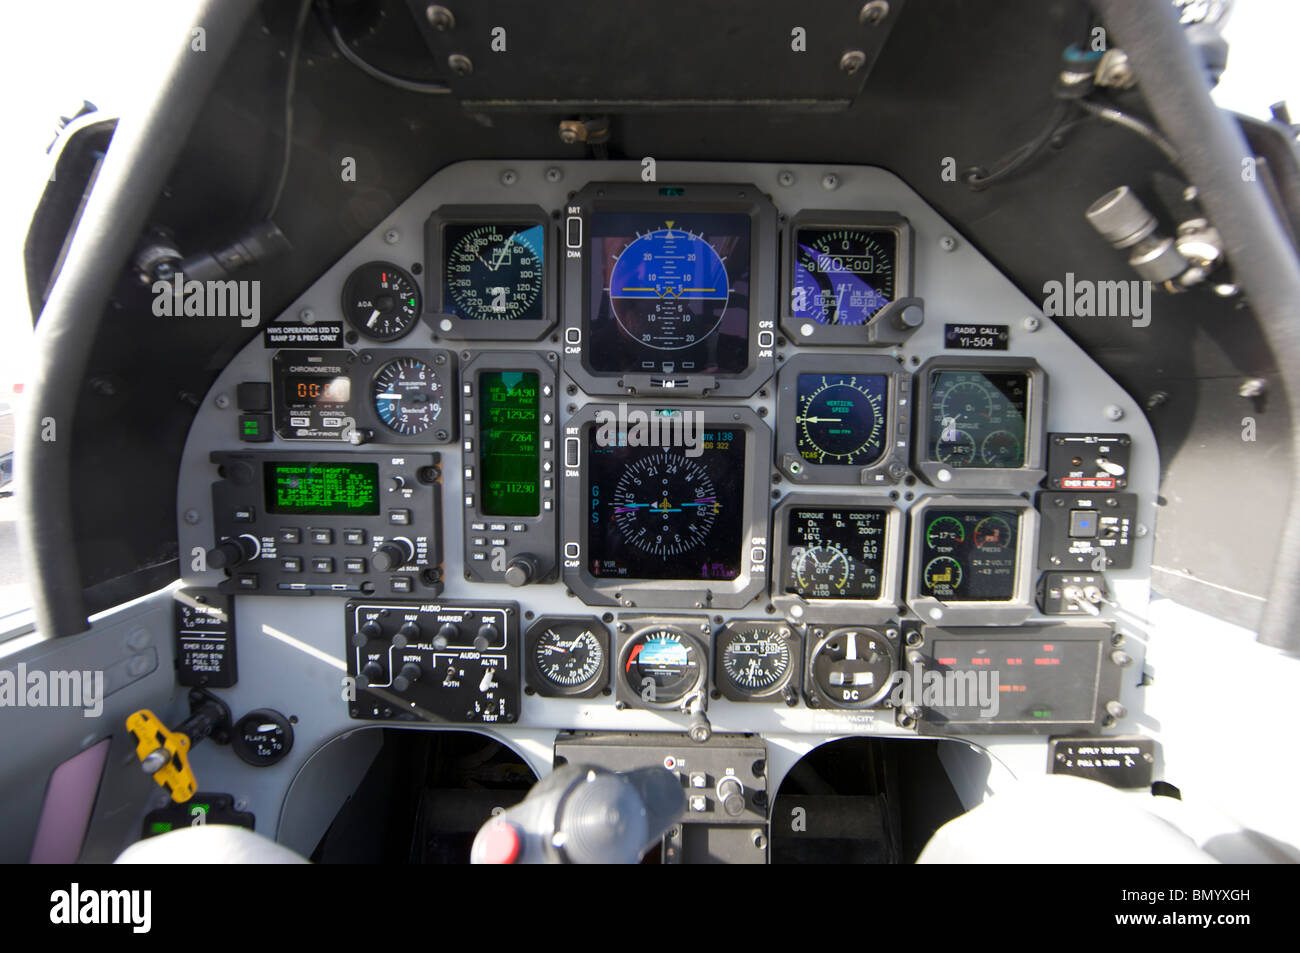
<point>509,447</point>
<point>840,420</point>
<point>843,276</point>
<point>669,292</point>
<point>660,513</point>
<point>408,396</point>
<point>969,555</point>
<point>326,489</point>
<point>978,418</point>
<point>835,553</point>
<point>494,271</point>
<point>381,301</point>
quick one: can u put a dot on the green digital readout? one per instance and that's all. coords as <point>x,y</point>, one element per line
<point>325,489</point>
<point>509,453</point>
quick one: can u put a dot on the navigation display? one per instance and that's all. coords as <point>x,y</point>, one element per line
<point>327,489</point>
<point>669,293</point>
<point>970,555</point>
<point>659,513</point>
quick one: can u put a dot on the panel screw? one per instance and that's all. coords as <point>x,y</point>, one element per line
<point>307,316</point>
<point>460,64</point>
<point>192,517</point>
<point>947,243</point>
<point>554,174</point>
<point>1032,323</point>
<point>873,12</point>
<point>439,17</point>
<point>852,61</point>
<point>830,181</point>
<point>222,401</point>
<point>392,236</point>
<point>785,178</point>
<point>508,177</point>
<point>1113,412</point>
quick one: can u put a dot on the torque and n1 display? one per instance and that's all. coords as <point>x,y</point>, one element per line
<point>658,513</point>
<point>970,555</point>
<point>670,293</point>
<point>843,276</point>
<point>840,420</point>
<point>835,553</point>
<point>326,489</point>
<point>494,271</point>
<point>978,418</point>
<point>509,448</point>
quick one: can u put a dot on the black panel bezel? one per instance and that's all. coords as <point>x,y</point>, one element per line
<point>819,637</point>
<point>1017,479</point>
<point>1006,612</point>
<point>880,330</point>
<point>651,197</point>
<point>373,360</point>
<point>696,631</point>
<point>892,464</point>
<point>669,593</point>
<point>455,328</point>
<point>787,689</point>
<point>834,611</point>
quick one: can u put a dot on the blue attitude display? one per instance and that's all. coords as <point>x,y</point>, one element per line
<point>670,294</point>
<point>843,276</point>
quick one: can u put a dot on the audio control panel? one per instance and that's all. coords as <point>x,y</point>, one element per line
<point>454,662</point>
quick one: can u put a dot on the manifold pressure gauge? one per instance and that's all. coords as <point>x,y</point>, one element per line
<point>568,658</point>
<point>755,661</point>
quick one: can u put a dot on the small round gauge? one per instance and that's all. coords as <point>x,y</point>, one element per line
<point>754,660</point>
<point>852,668</point>
<point>954,447</point>
<point>1002,449</point>
<point>665,504</point>
<point>408,396</point>
<point>965,399</point>
<point>840,418</point>
<point>494,271</point>
<point>662,666</point>
<point>992,534</point>
<point>843,276</point>
<point>568,657</point>
<point>942,576</point>
<point>945,532</point>
<point>262,737</point>
<point>381,301</point>
<point>821,571</point>
<point>669,289</point>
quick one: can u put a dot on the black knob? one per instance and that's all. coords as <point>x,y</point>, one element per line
<point>447,632</point>
<point>410,672</point>
<point>391,555</point>
<point>487,634</point>
<point>521,570</point>
<point>409,632</point>
<point>371,672</point>
<point>231,552</point>
<point>371,630</point>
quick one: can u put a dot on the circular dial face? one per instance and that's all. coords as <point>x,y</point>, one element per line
<point>568,654</point>
<point>755,659</point>
<point>843,276</point>
<point>381,301</point>
<point>840,419</point>
<point>408,397</point>
<point>942,575</point>
<point>665,505</point>
<point>262,737</point>
<point>945,531</point>
<point>669,289</point>
<point>494,272</point>
<point>821,571</point>
<point>662,666</point>
<point>992,534</point>
<point>852,667</point>
<point>1001,449</point>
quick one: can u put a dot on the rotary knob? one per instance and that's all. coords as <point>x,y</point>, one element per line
<point>371,672</point>
<point>391,555</point>
<point>232,552</point>
<point>409,674</point>
<point>521,570</point>
<point>732,795</point>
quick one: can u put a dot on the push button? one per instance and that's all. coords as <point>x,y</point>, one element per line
<point>322,537</point>
<point>322,564</point>
<point>1083,524</point>
<point>291,564</point>
<point>354,537</point>
<point>290,535</point>
<point>255,428</point>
